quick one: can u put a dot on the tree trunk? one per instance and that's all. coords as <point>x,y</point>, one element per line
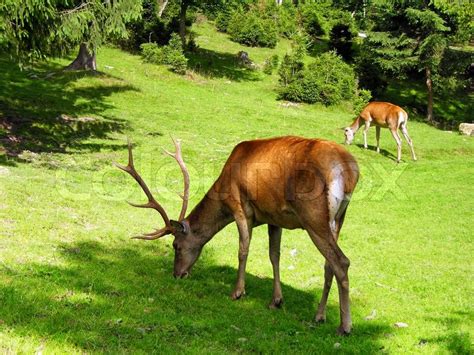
<point>182,21</point>
<point>85,60</point>
<point>161,7</point>
<point>429,86</point>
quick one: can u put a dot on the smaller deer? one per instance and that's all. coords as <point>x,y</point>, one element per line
<point>382,115</point>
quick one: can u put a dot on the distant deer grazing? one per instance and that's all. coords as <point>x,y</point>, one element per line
<point>385,115</point>
<point>286,182</point>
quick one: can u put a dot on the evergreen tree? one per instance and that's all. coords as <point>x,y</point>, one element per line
<point>36,29</point>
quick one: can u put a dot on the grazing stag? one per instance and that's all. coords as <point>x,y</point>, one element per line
<point>382,115</point>
<point>286,182</point>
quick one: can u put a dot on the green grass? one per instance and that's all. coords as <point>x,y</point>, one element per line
<point>71,280</point>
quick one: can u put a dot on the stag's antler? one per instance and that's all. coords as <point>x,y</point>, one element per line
<point>152,203</point>
<point>179,159</point>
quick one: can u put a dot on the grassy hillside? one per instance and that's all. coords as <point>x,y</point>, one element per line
<point>71,280</point>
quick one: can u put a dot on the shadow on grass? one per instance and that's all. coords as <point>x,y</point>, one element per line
<point>384,152</point>
<point>124,299</point>
<point>455,340</point>
<point>213,64</point>
<point>43,111</point>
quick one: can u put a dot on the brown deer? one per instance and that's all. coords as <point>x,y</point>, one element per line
<point>286,182</point>
<point>382,115</point>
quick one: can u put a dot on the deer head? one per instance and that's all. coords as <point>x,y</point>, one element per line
<point>187,248</point>
<point>349,135</point>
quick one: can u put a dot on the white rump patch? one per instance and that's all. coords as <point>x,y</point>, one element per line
<point>336,197</point>
<point>401,118</point>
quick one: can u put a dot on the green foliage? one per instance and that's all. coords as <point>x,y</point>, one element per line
<point>171,54</point>
<point>452,74</point>
<point>36,29</point>
<point>271,64</point>
<point>313,20</point>
<point>252,30</point>
<point>360,100</point>
<point>382,56</point>
<point>328,80</point>
<point>223,18</point>
<point>285,17</point>
<point>290,69</point>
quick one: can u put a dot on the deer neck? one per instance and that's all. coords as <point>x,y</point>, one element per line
<point>208,217</point>
<point>355,125</point>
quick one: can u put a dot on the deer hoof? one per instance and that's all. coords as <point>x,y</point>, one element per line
<point>320,318</point>
<point>276,303</point>
<point>237,294</point>
<point>343,331</point>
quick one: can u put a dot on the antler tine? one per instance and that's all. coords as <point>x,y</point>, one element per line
<point>179,159</point>
<point>152,203</point>
<point>154,235</point>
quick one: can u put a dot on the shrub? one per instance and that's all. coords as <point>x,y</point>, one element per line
<point>171,55</point>
<point>285,17</point>
<point>271,64</point>
<point>328,80</point>
<point>151,53</point>
<point>252,30</point>
<point>290,69</point>
<point>361,99</point>
<point>222,20</point>
<point>312,20</point>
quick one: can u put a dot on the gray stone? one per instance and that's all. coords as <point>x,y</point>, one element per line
<point>467,129</point>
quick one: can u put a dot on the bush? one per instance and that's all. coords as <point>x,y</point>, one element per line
<point>312,20</point>
<point>271,64</point>
<point>328,80</point>
<point>285,17</point>
<point>361,100</point>
<point>222,20</point>
<point>250,29</point>
<point>290,69</point>
<point>171,55</point>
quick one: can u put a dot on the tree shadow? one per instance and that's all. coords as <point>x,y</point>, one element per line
<point>43,111</point>
<point>209,63</point>
<point>384,152</point>
<point>454,340</point>
<point>117,299</point>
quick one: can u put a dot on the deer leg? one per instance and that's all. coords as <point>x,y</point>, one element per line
<point>366,130</point>
<point>245,234</point>
<point>328,276</point>
<point>328,273</point>
<point>274,234</point>
<point>404,130</point>
<point>399,144</point>
<point>377,136</point>
<point>324,240</point>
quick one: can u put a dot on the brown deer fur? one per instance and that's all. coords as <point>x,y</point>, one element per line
<point>286,182</point>
<point>382,115</point>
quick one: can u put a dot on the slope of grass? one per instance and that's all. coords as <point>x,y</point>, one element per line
<point>71,280</point>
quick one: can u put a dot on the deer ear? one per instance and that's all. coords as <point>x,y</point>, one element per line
<point>179,227</point>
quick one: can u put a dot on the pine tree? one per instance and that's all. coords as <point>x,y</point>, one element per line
<point>37,29</point>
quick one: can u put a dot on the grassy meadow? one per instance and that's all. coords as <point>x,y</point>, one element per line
<point>72,280</point>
